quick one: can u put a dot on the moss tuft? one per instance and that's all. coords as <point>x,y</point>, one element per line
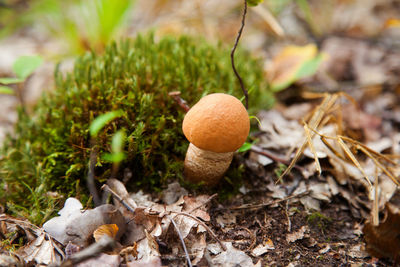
<point>50,152</point>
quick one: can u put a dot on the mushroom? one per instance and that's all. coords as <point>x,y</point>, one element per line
<point>216,127</point>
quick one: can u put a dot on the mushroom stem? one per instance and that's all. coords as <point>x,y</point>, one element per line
<point>207,166</point>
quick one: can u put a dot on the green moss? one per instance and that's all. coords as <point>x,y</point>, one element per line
<point>50,152</point>
<point>320,220</point>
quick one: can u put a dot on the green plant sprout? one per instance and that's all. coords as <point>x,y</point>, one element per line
<point>81,25</point>
<point>117,144</point>
<point>102,120</point>
<point>23,67</point>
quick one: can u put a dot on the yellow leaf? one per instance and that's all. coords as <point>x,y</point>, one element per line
<point>293,63</point>
<point>395,23</point>
<point>106,229</point>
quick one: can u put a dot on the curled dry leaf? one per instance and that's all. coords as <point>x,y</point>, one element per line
<point>298,235</point>
<point>107,229</point>
<point>147,253</point>
<point>383,240</point>
<point>40,248</point>
<point>263,248</point>
<point>78,226</point>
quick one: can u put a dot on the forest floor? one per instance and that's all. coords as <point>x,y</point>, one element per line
<point>308,218</point>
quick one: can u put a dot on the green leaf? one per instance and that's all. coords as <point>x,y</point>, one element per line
<point>257,119</point>
<point>26,65</point>
<point>114,157</point>
<point>102,120</point>
<point>309,67</point>
<point>117,146</point>
<point>6,90</point>
<point>118,141</point>
<point>245,147</point>
<point>254,2</point>
<point>10,80</point>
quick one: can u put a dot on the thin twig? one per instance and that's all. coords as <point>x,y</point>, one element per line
<point>261,151</point>
<point>118,197</point>
<point>289,226</point>
<point>106,243</point>
<point>179,100</point>
<point>203,203</point>
<point>257,206</point>
<point>182,241</point>
<point>246,94</point>
<point>202,224</point>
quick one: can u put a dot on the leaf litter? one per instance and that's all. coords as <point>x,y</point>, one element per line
<point>276,208</point>
<point>151,232</point>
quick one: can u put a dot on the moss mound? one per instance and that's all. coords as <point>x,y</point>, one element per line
<point>48,158</point>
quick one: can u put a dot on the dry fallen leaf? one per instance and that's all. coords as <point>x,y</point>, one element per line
<point>107,229</point>
<point>263,248</point>
<point>229,258</point>
<point>43,250</point>
<point>78,227</point>
<point>298,235</point>
<point>383,241</point>
<point>102,260</point>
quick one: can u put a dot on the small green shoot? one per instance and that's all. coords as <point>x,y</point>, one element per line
<point>319,219</point>
<point>254,2</point>
<point>257,119</point>
<point>245,147</point>
<point>10,80</point>
<point>6,90</point>
<point>117,145</point>
<point>280,169</point>
<point>26,65</point>
<point>22,67</point>
<point>102,120</point>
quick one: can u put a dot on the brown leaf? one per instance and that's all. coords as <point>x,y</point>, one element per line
<point>106,229</point>
<point>43,250</point>
<point>383,241</point>
<point>292,237</point>
<point>78,227</point>
<point>102,260</point>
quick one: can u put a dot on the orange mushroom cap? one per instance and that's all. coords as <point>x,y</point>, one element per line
<point>218,123</point>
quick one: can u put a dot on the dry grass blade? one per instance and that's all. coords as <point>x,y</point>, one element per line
<point>375,206</point>
<point>330,111</point>
<point>379,165</point>
<point>314,123</point>
<point>331,148</point>
<point>310,144</point>
<point>273,24</point>
<point>348,152</point>
<point>373,152</point>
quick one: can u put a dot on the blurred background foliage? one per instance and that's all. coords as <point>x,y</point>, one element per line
<point>82,25</point>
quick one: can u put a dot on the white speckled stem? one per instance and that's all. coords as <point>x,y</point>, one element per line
<point>202,165</point>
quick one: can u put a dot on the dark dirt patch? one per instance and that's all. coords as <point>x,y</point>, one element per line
<point>333,236</point>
